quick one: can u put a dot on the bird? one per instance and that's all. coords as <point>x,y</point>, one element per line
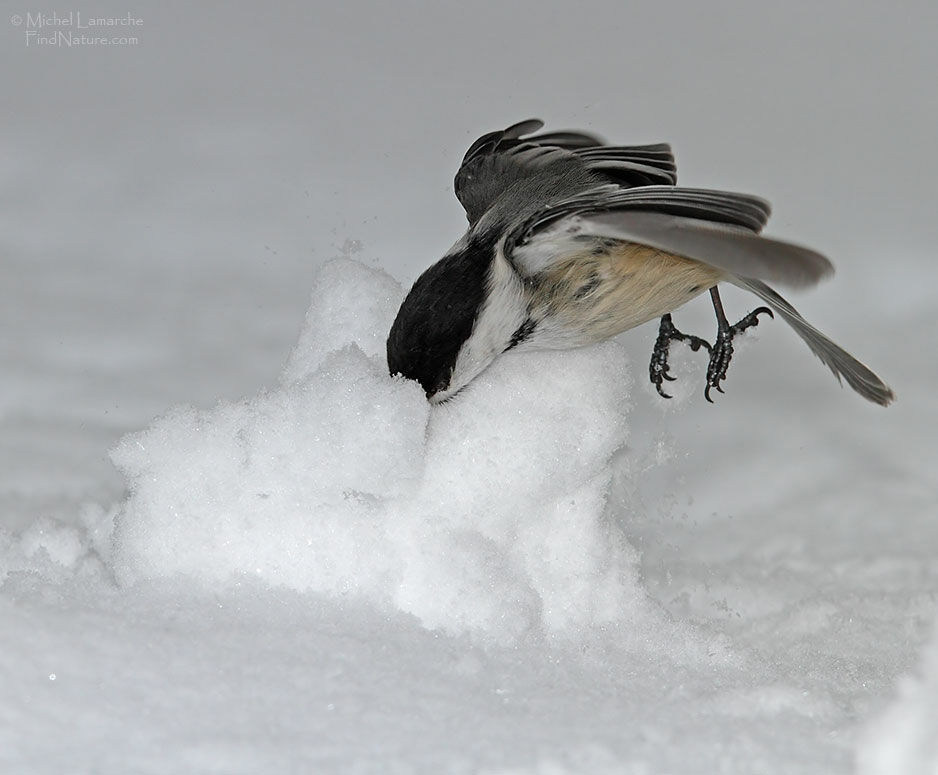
<point>571,241</point>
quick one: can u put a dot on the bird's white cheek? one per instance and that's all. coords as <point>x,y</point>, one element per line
<point>503,312</point>
<point>487,341</point>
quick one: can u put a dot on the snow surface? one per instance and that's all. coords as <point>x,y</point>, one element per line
<point>229,542</point>
<point>903,739</point>
<point>329,575</point>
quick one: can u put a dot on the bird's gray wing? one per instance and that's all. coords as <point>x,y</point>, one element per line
<point>498,160</point>
<point>718,228</point>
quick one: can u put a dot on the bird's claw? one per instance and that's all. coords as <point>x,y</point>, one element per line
<point>722,351</point>
<point>659,368</point>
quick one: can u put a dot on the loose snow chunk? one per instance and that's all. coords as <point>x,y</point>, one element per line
<point>53,550</point>
<point>486,515</point>
<point>63,544</point>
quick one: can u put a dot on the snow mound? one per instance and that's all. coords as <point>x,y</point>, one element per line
<point>486,515</point>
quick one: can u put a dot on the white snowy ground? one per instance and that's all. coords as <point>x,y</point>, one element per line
<point>310,570</point>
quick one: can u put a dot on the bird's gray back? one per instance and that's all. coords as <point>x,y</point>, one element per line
<point>517,194</point>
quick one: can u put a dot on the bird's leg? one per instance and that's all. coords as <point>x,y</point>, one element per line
<point>722,352</point>
<point>667,333</point>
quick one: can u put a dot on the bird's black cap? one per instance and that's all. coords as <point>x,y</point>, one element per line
<point>437,316</point>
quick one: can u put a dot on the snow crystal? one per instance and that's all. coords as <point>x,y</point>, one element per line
<point>485,515</point>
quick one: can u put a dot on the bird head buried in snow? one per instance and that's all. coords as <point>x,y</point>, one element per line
<point>572,241</point>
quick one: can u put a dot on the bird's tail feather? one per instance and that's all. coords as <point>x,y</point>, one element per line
<point>860,377</point>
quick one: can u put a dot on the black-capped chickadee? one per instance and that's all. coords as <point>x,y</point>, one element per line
<point>572,241</point>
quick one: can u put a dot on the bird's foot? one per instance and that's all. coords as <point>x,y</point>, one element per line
<point>659,369</point>
<point>722,351</point>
